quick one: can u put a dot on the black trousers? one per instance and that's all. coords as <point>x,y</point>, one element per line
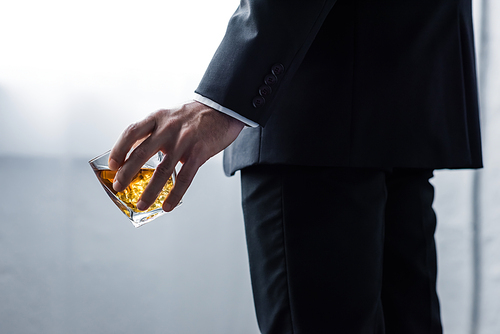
<point>341,250</point>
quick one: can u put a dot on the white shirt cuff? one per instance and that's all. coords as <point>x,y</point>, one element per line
<point>222,109</point>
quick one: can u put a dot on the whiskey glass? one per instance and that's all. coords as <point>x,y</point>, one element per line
<point>127,199</point>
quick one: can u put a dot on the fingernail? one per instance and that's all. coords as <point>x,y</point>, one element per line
<point>117,186</point>
<point>167,207</point>
<point>142,205</point>
<point>113,164</point>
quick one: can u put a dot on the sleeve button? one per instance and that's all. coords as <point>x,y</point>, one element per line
<point>270,79</point>
<point>277,69</point>
<point>265,90</point>
<point>258,102</point>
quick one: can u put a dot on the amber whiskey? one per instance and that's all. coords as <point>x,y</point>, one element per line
<point>130,196</point>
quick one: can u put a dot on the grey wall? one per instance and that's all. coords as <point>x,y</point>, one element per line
<point>71,262</point>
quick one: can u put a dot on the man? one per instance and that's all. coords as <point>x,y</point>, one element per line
<point>349,105</point>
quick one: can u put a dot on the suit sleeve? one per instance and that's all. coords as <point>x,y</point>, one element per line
<point>265,42</point>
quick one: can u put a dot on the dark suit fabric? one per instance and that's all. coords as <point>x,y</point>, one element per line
<point>341,250</point>
<point>367,83</point>
<point>357,102</point>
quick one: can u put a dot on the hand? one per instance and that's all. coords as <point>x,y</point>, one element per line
<point>190,134</point>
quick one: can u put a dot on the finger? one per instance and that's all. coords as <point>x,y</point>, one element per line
<point>128,138</point>
<point>135,161</point>
<point>182,183</point>
<point>160,177</point>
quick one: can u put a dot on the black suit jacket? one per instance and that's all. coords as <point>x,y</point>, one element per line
<point>360,83</point>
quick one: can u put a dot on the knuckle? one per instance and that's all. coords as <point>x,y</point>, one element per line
<point>131,130</point>
<point>162,171</point>
<point>188,132</point>
<point>160,113</point>
<point>183,180</point>
<point>141,153</point>
<point>151,118</point>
